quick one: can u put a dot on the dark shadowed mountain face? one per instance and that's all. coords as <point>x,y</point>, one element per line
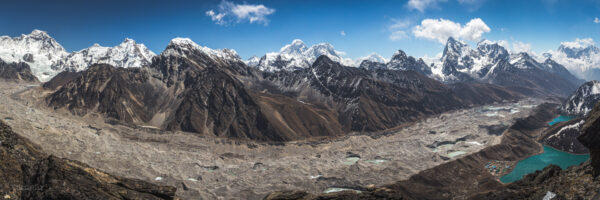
<point>20,72</point>
<point>370,100</point>
<point>491,63</point>
<point>400,61</point>
<point>582,101</point>
<point>192,90</point>
<point>533,81</point>
<point>28,173</point>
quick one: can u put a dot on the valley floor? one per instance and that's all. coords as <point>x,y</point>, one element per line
<point>214,168</point>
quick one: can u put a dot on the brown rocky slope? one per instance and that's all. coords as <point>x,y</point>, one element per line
<point>28,173</point>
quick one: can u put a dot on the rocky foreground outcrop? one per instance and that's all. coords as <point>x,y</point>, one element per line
<point>26,172</point>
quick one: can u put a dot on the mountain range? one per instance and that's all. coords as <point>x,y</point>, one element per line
<point>47,58</point>
<point>581,57</point>
<point>297,93</point>
<point>197,89</point>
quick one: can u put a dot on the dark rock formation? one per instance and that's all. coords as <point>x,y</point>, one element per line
<point>61,79</point>
<point>198,92</point>
<point>28,173</point>
<point>19,72</point>
<point>563,136</point>
<point>371,100</point>
<point>400,61</point>
<point>590,137</point>
<point>583,100</point>
<point>28,58</point>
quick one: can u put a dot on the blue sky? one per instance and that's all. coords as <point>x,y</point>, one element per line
<point>257,27</point>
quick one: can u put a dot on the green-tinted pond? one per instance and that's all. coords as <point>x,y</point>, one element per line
<point>561,118</point>
<point>538,162</point>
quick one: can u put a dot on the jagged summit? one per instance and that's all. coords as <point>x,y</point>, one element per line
<point>297,55</point>
<point>583,100</point>
<point>127,54</point>
<point>184,46</point>
<point>296,47</point>
<point>252,61</point>
<point>37,49</point>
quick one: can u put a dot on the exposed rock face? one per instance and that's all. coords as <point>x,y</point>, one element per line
<point>371,65</point>
<point>120,93</point>
<point>491,63</point>
<point>376,99</point>
<point>563,136</point>
<point>61,79</point>
<point>192,88</point>
<point>28,173</point>
<point>16,72</point>
<point>400,61</point>
<point>590,138</point>
<point>583,100</point>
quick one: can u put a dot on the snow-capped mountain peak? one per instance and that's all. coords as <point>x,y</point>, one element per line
<point>252,61</point>
<point>37,49</point>
<point>297,55</point>
<point>127,54</point>
<point>183,46</point>
<point>373,57</point>
<point>583,99</point>
<point>297,47</point>
<point>579,48</point>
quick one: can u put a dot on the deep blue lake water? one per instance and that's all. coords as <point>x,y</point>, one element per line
<point>538,162</point>
<point>561,118</point>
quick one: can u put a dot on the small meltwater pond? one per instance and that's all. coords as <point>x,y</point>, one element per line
<point>560,118</point>
<point>539,162</point>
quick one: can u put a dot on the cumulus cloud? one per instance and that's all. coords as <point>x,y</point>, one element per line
<point>421,5</point>
<point>596,20</point>
<point>442,29</point>
<point>579,43</point>
<point>229,12</point>
<point>343,33</point>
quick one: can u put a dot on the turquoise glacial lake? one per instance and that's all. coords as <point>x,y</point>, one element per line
<point>560,118</point>
<point>538,162</point>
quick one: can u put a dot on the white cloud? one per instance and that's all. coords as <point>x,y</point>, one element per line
<point>228,12</point>
<point>596,20</point>
<point>518,47</point>
<point>469,1</point>
<point>343,33</point>
<point>421,5</point>
<point>398,35</point>
<point>399,24</point>
<point>442,29</point>
<point>397,29</point>
<point>579,43</point>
